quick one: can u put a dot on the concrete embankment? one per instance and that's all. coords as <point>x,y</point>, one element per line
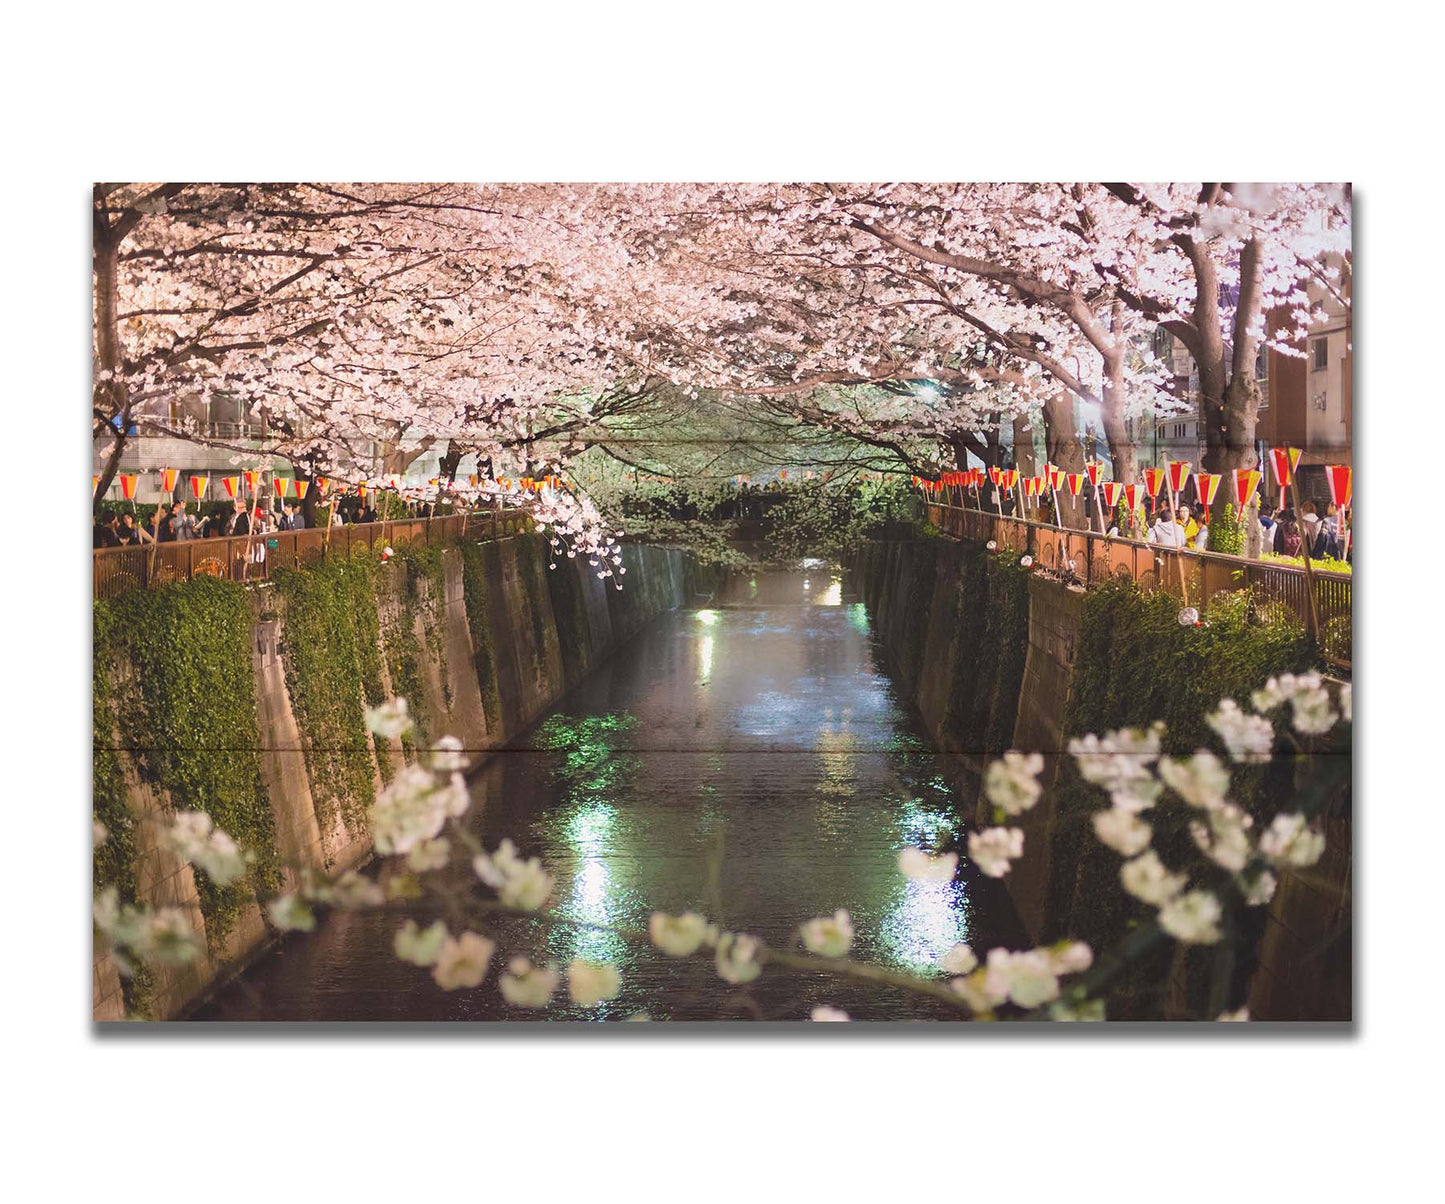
<point>996,657</point>
<point>481,639</point>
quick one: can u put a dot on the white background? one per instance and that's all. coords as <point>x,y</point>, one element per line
<point>750,91</point>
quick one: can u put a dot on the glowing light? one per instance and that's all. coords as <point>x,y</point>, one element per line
<point>833,595</point>
<point>927,919</point>
<point>705,656</point>
<point>707,617</point>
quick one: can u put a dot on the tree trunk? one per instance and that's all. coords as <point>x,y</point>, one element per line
<point>109,396</point>
<point>1116,429</point>
<point>1061,437</point>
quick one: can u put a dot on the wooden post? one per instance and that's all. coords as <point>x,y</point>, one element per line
<point>1174,518</point>
<point>1304,547</point>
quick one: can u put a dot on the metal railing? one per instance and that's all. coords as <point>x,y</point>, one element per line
<point>142,566</point>
<point>1092,558</point>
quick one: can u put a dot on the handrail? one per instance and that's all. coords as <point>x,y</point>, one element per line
<point>1091,558</point>
<point>142,566</point>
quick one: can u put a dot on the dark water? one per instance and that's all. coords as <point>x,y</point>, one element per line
<point>748,759</point>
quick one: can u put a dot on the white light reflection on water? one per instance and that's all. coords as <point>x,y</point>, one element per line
<point>925,920</point>
<point>833,595</point>
<point>705,657</point>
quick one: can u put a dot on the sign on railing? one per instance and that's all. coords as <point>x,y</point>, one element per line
<point>140,566</point>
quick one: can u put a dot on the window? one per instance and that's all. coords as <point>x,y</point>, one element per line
<point>1261,365</point>
<point>1322,353</point>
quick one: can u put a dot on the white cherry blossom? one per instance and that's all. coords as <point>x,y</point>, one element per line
<point>528,986</point>
<point>828,936</point>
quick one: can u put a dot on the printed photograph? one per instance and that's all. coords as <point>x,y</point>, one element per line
<point>877,603</point>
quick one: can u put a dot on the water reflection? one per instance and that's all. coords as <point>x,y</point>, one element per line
<point>748,760</point>
<point>926,920</point>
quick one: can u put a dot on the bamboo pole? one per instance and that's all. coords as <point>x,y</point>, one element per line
<point>1174,518</point>
<point>1304,547</point>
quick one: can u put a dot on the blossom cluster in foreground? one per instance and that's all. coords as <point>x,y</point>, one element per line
<point>428,798</point>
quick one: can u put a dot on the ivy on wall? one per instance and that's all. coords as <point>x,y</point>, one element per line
<point>332,653</point>
<point>187,715</point>
<point>421,596</point>
<point>1136,664</point>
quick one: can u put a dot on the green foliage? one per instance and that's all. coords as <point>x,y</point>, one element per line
<point>333,668</point>
<point>706,540</point>
<point>1227,531</point>
<point>186,711</point>
<point>1136,664</point>
<point>820,518</point>
<point>421,596</point>
<point>1323,564</point>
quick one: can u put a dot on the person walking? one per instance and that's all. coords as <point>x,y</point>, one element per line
<point>1166,532</point>
<point>239,522</point>
<point>104,534</point>
<point>150,530</point>
<point>183,526</point>
<point>1310,525</point>
<point>1287,541</point>
<point>1191,528</point>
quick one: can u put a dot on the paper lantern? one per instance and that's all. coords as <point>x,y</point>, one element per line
<point>1153,478</point>
<point>1093,468</point>
<point>281,485</point>
<point>250,476</point>
<point>1206,485</point>
<point>1282,462</point>
<point>1112,490</point>
<point>1341,481</point>
<point>1246,480</point>
<point>94,483</point>
<point>1178,475</point>
<point>1031,486</point>
<point>232,486</point>
<point>1076,483</point>
<point>1008,478</point>
<point>301,487</point>
<point>323,484</point>
<point>169,476</point>
<point>994,473</point>
<point>1131,497</point>
<point>127,485</point>
<point>198,487</point>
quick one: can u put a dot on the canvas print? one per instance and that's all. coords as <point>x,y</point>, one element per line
<point>897,603</point>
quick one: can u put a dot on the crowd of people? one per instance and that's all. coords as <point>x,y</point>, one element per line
<point>176,523</point>
<point>1280,529</point>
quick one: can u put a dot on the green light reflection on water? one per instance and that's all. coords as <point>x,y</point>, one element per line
<point>594,896</point>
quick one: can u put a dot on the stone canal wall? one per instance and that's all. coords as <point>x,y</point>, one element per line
<point>995,657</point>
<point>262,691</point>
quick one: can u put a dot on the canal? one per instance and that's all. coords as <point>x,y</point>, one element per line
<point>748,758</point>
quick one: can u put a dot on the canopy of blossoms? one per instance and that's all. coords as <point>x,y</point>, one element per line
<point>516,322</point>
